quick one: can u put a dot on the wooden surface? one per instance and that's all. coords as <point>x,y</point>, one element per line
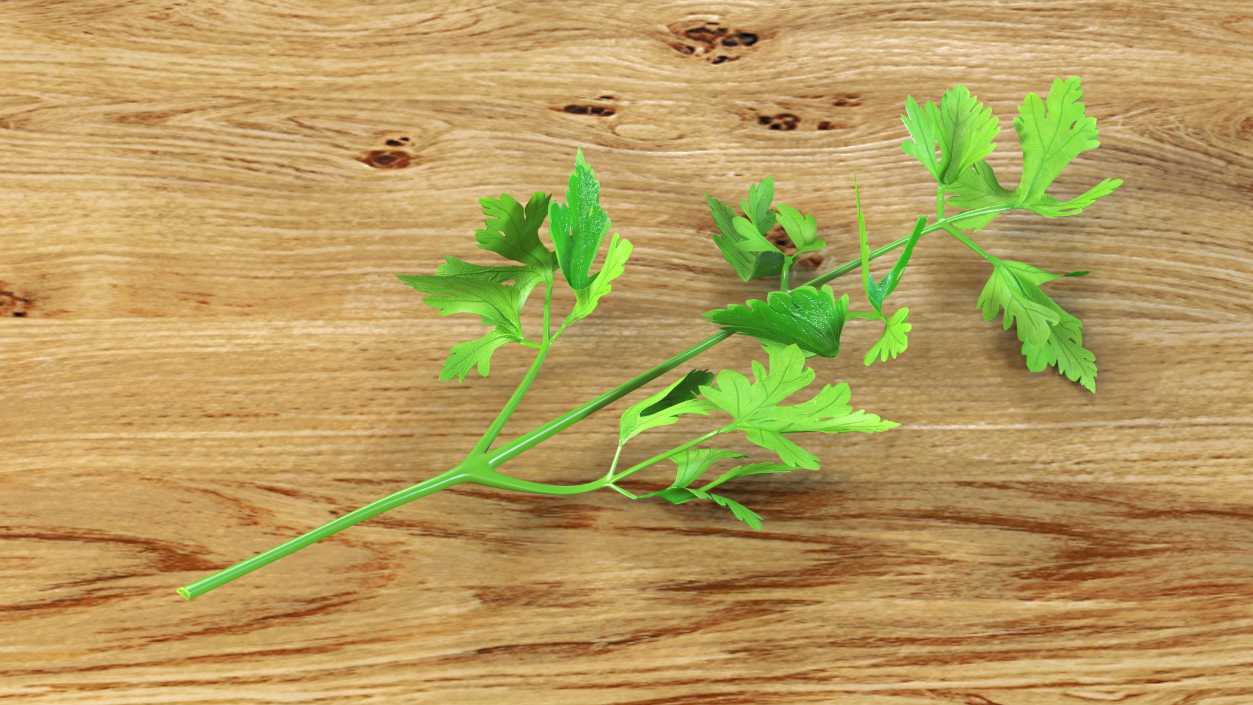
<point>206,353</point>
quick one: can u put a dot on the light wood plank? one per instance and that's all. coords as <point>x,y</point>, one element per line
<point>207,353</point>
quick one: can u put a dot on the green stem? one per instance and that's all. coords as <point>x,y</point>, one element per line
<point>966,241</point>
<point>485,475</point>
<point>614,466</point>
<point>548,306</point>
<point>787,270</point>
<point>510,406</point>
<point>529,440</point>
<point>939,209</point>
<point>611,486</point>
<point>854,264</point>
<point>477,468</point>
<point>662,456</point>
<point>503,417</point>
<point>422,489</point>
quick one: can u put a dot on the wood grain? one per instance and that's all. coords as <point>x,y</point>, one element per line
<point>203,207</point>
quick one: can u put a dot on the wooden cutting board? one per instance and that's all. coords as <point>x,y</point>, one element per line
<point>203,210</point>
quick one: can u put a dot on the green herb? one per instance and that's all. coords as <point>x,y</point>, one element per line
<point>792,325</point>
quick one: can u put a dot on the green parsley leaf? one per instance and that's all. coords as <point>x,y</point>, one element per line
<point>894,339</point>
<point>806,317</point>
<point>759,220</point>
<point>970,129</point>
<point>1065,350</point>
<point>925,129</point>
<point>1014,286</point>
<point>754,407</point>
<point>525,278</point>
<point>788,452</point>
<point>742,470</point>
<point>977,188</point>
<point>497,304</point>
<point>876,292</point>
<point>473,353</point>
<point>746,401</point>
<point>1051,134</point>
<point>513,233</point>
<point>577,231</point>
<point>962,127</point>
<point>751,240</point>
<point>802,229</point>
<point>679,495</point>
<point>744,514</point>
<point>773,346</point>
<point>479,292</point>
<point>578,228</point>
<point>757,207</point>
<point>674,495</point>
<point>827,412</point>
<point>686,389</point>
<point>748,265</point>
<point>587,298</point>
<point>664,407</point>
<point>1049,334</point>
<point>693,462</point>
<point>1048,206</point>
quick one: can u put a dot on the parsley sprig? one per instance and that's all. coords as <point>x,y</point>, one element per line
<point>792,325</point>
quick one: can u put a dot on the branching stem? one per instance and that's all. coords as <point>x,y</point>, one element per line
<point>479,466</point>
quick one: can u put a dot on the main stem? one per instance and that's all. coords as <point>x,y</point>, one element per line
<point>479,466</point>
<point>422,489</point>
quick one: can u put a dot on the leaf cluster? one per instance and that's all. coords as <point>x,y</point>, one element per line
<point>1051,133</point>
<point>755,409</point>
<point>951,140</point>
<point>498,293</point>
<point>1050,336</point>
